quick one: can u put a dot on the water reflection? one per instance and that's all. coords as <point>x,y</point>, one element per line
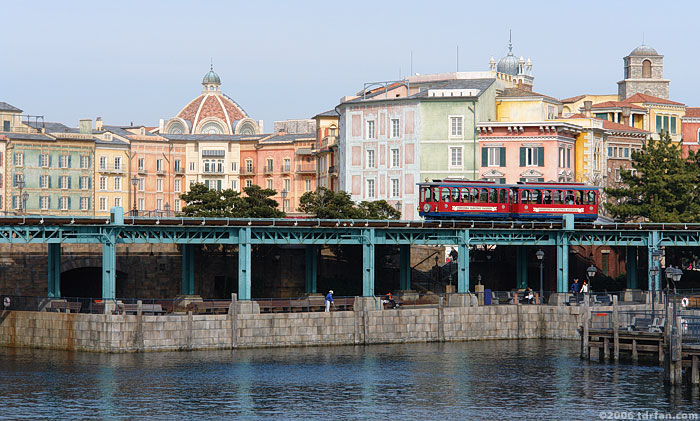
<point>496,379</point>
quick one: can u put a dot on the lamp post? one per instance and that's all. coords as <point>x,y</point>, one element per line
<point>134,182</point>
<point>590,274</point>
<point>398,207</point>
<point>20,185</point>
<point>540,257</point>
<point>655,269</point>
<point>674,275</point>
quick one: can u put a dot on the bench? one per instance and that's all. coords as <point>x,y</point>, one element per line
<point>212,307</point>
<point>640,324</point>
<point>602,300</point>
<point>151,309</point>
<point>66,306</point>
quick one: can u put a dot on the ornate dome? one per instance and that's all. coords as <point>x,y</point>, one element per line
<point>644,50</point>
<point>211,77</point>
<point>509,63</point>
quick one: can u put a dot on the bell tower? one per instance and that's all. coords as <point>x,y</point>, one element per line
<point>644,74</point>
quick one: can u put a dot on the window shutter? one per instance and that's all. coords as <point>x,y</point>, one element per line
<point>522,157</point>
<point>540,156</point>
<point>503,157</point>
<point>69,182</point>
<point>49,181</point>
<point>568,158</point>
<point>69,162</point>
<point>89,159</point>
<point>49,204</point>
<point>69,202</point>
<point>89,182</point>
<point>50,160</point>
<point>22,158</point>
<point>40,155</point>
<point>484,157</point>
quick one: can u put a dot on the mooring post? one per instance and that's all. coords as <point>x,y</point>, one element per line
<point>635,355</point>
<point>616,330</point>
<point>585,349</point>
<point>694,375</point>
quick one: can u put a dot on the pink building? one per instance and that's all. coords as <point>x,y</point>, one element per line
<point>690,127</point>
<point>535,152</point>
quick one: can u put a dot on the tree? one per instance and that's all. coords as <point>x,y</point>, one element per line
<point>662,189</point>
<point>201,201</point>
<point>327,204</point>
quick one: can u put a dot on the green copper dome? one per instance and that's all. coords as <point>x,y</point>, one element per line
<point>211,77</point>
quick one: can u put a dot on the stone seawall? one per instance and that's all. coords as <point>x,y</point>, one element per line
<point>134,333</point>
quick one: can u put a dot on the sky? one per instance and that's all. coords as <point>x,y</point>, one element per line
<point>140,61</point>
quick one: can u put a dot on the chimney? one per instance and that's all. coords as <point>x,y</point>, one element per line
<point>86,126</point>
<point>587,106</point>
<point>98,124</point>
<point>161,126</point>
<point>626,112</point>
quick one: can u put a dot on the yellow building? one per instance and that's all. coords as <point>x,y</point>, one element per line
<point>574,105</point>
<point>326,149</point>
<point>520,105</point>
<point>112,186</point>
<point>590,157</point>
<point>662,115</point>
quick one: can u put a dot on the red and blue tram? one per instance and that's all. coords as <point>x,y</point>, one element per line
<point>460,199</point>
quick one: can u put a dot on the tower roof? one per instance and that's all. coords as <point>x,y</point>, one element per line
<point>509,63</point>
<point>644,50</point>
<point>211,76</point>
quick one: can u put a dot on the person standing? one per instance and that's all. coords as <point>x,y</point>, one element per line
<point>575,289</point>
<point>329,300</point>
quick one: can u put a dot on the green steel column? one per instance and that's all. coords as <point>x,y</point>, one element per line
<point>109,269</point>
<point>521,266</point>
<point>631,267</point>
<point>311,267</point>
<point>244,263</point>
<point>562,262</point>
<point>187,269</point>
<point>368,263</point>
<point>653,244</point>
<point>405,267</point>
<point>463,261</point>
<point>54,270</point>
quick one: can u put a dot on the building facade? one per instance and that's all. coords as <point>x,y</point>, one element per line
<point>644,74</point>
<point>326,149</point>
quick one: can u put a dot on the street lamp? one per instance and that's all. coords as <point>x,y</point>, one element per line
<point>540,257</point>
<point>673,275</point>
<point>284,196</point>
<point>590,273</point>
<point>398,206</point>
<point>134,182</point>
<point>20,185</point>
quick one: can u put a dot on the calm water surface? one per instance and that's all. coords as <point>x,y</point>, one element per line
<point>531,379</point>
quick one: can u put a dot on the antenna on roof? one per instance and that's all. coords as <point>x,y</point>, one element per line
<point>411,63</point>
<point>458,58</point>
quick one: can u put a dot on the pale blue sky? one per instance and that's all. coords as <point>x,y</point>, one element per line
<point>144,60</point>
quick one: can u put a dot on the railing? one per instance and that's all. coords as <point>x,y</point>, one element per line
<point>179,171</point>
<point>248,171</point>
<point>111,169</point>
<point>313,303</point>
<point>209,171</point>
<point>328,141</point>
<point>20,129</point>
<point>286,168</point>
<point>306,168</point>
<point>268,169</point>
<point>141,171</point>
<point>332,169</point>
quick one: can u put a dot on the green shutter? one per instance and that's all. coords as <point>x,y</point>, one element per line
<point>568,158</point>
<point>484,157</point>
<point>658,124</point>
<point>673,125</point>
<point>503,157</point>
<point>540,156</point>
<point>522,157</point>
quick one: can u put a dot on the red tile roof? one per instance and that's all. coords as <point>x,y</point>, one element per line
<point>692,112</point>
<point>617,104</point>
<point>609,125</point>
<point>572,99</point>
<point>650,99</point>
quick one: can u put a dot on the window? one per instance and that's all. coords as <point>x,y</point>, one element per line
<point>455,126</point>
<point>118,163</point>
<point>159,165</point>
<point>103,183</point>
<point>63,203</point>
<point>659,126</point>
<point>84,162</point>
<point>43,181</point>
<point>192,166</point>
<point>493,157</point>
<point>19,159</point>
<point>117,184</point>
<point>84,182</point>
<point>103,163</point>
<point>6,126</point>
<point>568,157</point>
<point>234,166</point>
<point>44,160</point>
<point>18,178</point>
<point>159,185</point>
<point>532,157</point>
<point>395,192</point>
<point>249,165</point>
<point>562,157</point>
<point>371,134</point>
<point>248,183</point>
<point>234,184</point>
<point>177,185</point>
<point>646,69</point>
<point>673,125</point>
<point>617,175</point>
<point>395,127</point>
<point>43,202</point>
<point>15,202</point>
<point>627,152</point>
<point>370,158</point>
<point>178,165</point>
<point>63,182</point>
<point>456,156</point>
<point>307,185</point>
<point>141,184</point>
<point>287,164</point>
<point>140,204</point>
<point>159,204</point>
<point>177,205</point>
<point>370,188</point>
<point>269,183</point>
<point>270,165</point>
<point>395,158</point>
<point>84,203</point>
<point>287,184</point>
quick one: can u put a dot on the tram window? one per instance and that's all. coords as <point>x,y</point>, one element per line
<point>547,197</point>
<point>475,196</point>
<point>590,196</point>
<point>502,196</point>
<point>465,195</point>
<point>455,194</point>
<point>569,200</point>
<point>424,194</point>
<point>445,194</point>
<point>537,197</point>
<point>513,195</point>
<point>492,196</point>
<point>436,194</point>
<point>556,197</point>
<point>484,198</point>
<point>525,196</point>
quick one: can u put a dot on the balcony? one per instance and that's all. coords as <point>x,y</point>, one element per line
<point>307,168</point>
<point>268,169</point>
<point>213,171</point>
<point>141,170</point>
<point>329,141</point>
<point>111,169</point>
<point>286,169</point>
<point>333,170</point>
<point>179,171</point>
<point>160,172</point>
<point>248,171</point>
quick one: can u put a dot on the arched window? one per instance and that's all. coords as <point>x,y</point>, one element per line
<point>646,69</point>
<point>475,196</point>
<point>484,197</point>
<point>446,194</point>
<point>212,128</point>
<point>465,195</point>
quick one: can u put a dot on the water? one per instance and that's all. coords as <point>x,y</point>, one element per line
<point>531,379</point>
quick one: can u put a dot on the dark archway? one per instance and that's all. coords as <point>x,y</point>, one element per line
<point>85,282</point>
